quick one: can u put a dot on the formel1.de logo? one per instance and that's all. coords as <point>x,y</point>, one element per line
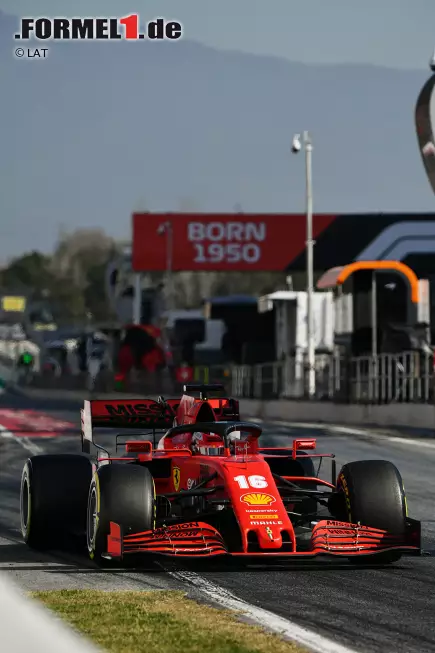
<point>98,29</point>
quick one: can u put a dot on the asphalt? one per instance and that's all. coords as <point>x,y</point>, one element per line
<point>387,609</point>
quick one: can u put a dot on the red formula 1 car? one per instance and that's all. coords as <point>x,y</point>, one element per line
<point>208,488</point>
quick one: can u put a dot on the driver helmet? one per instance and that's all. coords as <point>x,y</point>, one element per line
<point>207,444</point>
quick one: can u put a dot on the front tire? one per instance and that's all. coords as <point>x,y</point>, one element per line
<point>53,499</point>
<point>121,493</point>
<point>372,493</point>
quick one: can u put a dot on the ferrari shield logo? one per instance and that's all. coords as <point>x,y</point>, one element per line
<point>176,477</point>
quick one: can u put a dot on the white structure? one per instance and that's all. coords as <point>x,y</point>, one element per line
<point>291,320</point>
<point>291,326</point>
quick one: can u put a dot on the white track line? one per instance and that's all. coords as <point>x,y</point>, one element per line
<point>348,430</point>
<point>411,443</point>
<point>5,566</point>
<point>24,442</point>
<point>268,620</point>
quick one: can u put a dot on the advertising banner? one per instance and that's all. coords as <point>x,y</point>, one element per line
<point>220,242</point>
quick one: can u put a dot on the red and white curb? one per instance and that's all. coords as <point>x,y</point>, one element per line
<point>32,423</point>
<point>24,426</point>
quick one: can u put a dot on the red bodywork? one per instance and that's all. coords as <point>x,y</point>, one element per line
<point>240,477</point>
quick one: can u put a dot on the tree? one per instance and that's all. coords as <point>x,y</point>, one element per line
<point>78,251</point>
<point>79,263</point>
<point>30,271</point>
<point>72,280</point>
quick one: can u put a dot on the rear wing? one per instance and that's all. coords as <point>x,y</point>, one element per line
<point>205,390</point>
<point>144,414</point>
<point>225,409</point>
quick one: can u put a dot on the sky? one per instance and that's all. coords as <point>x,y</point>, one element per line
<point>392,33</point>
<point>396,34</point>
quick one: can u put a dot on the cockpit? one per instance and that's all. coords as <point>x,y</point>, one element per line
<point>213,439</point>
<point>210,444</point>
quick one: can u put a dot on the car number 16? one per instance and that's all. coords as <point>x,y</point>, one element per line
<point>255,481</point>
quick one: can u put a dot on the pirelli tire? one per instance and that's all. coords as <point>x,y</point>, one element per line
<point>120,493</point>
<point>373,494</point>
<point>53,499</point>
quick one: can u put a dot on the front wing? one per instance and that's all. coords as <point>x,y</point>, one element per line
<point>198,539</point>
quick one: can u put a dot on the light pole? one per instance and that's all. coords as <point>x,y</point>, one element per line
<point>166,229</point>
<point>137,298</point>
<point>309,244</point>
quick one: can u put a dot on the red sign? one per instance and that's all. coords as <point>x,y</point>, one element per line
<point>183,374</point>
<point>220,241</point>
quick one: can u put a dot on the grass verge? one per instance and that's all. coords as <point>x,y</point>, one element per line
<point>159,622</point>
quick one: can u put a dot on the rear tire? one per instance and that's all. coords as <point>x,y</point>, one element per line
<point>373,494</point>
<point>124,494</point>
<point>53,499</point>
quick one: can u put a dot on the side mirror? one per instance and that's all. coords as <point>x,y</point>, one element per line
<point>303,444</point>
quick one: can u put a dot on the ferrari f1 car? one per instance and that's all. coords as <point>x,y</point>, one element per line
<point>208,488</point>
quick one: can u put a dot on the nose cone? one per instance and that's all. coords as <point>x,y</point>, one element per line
<point>269,537</point>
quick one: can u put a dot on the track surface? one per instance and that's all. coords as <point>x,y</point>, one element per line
<point>386,609</point>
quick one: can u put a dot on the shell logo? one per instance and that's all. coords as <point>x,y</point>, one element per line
<point>257,499</point>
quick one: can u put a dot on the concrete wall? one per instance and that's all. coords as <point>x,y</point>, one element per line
<point>414,416</point>
<point>410,416</point>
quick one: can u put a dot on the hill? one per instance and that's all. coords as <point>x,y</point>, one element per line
<point>95,128</point>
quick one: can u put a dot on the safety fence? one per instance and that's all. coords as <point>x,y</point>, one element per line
<point>137,383</point>
<point>405,377</point>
